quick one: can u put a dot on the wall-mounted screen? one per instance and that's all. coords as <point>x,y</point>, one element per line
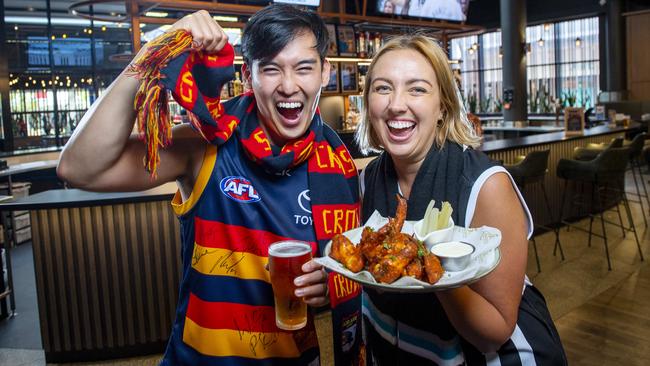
<point>68,51</point>
<point>455,10</point>
<point>299,2</point>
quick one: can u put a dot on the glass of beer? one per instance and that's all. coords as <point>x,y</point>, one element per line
<point>285,264</point>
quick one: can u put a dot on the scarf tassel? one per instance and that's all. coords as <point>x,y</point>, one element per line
<point>152,109</point>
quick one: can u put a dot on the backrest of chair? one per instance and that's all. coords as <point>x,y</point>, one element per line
<point>611,163</point>
<point>616,142</point>
<point>534,166</point>
<point>636,146</point>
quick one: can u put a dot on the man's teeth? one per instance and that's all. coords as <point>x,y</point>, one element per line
<point>289,105</point>
<point>400,124</point>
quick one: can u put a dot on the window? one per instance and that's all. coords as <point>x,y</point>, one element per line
<point>562,66</point>
<point>540,60</point>
<point>579,63</point>
<point>466,49</point>
<point>491,97</point>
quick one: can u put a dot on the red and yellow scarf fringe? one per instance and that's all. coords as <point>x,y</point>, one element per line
<point>153,117</point>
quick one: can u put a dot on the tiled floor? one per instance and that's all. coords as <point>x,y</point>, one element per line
<point>567,285</point>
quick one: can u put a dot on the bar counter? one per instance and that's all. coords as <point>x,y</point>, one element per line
<point>107,271</point>
<point>560,146</point>
<point>107,264</point>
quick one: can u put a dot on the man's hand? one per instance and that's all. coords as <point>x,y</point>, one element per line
<point>312,286</point>
<point>206,32</point>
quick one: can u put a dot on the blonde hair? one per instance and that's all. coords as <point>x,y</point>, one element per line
<point>454,127</point>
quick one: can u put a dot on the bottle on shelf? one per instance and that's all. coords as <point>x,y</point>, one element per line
<point>377,42</point>
<point>362,44</point>
<point>238,86</point>
<point>231,88</point>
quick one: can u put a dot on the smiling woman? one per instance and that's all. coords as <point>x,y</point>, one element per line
<point>415,116</point>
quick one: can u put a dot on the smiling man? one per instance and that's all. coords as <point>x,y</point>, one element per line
<point>258,168</point>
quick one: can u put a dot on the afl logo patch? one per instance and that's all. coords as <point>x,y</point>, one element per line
<point>239,189</point>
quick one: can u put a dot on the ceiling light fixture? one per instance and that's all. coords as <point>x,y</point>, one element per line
<point>224,18</point>
<point>156,14</point>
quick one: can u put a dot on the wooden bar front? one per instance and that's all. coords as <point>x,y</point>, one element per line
<point>107,273</point>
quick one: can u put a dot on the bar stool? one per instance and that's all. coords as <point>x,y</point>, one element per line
<point>636,146</point>
<point>605,174</point>
<point>636,150</point>
<point>528,170</point>
<point>592,150</point>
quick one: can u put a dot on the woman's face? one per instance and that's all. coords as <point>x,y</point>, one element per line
<point>389,8</point>
<point>404,104</point>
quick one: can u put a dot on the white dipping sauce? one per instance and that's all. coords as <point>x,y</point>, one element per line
<point>452,249</point>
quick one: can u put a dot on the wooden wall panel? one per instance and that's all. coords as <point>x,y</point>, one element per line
<point>107,278</point>
<point>638,55</point>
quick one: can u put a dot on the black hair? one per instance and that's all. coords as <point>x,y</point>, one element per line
<point>271,29</point>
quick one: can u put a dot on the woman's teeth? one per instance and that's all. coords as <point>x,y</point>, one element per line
<point>400,124</point>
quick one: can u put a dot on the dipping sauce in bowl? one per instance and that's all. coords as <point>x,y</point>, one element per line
<point>454,255</point>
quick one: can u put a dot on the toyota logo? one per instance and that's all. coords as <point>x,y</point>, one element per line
<point>304,201</point>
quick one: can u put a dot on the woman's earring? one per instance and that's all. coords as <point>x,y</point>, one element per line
<point>441,120</point>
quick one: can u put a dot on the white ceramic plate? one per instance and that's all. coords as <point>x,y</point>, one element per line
<point>483,261</point>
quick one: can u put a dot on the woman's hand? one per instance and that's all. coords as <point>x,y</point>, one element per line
<point>206,32</point>
<point>312,286</point>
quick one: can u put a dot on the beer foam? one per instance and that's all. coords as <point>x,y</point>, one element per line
<point>286,249</point>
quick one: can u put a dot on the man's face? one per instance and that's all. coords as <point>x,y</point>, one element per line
<point>287,88</point>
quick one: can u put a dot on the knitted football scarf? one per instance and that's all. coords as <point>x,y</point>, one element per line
<point>195,79</point>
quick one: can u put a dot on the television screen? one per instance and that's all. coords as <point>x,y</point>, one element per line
<point>68,51</point>
<point>299,2</point>
<point>455,10</point>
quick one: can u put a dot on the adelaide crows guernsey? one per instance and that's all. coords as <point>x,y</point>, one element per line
<point>225,314</point>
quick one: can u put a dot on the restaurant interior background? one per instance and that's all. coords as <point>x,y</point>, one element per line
<point>58,57</point>
<point>58,63</point>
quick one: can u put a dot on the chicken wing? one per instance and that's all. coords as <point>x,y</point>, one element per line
<point>344,251</point>
<point>414,269</point>
<point>399,251</point>
<point>432,268</point>
<point>400,215</point>
<point>372,244</point>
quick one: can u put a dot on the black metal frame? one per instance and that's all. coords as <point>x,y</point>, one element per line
<point>599,195</point>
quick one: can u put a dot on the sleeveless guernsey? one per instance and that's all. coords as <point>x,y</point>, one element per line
<point>225,313</point>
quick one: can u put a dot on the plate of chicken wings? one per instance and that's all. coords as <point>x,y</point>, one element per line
<point>386,255</point>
